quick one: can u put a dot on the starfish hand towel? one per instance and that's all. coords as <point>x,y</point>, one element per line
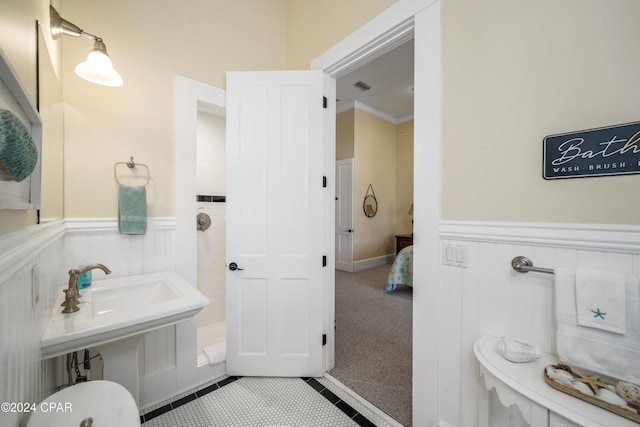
<point>596,350</point>
<point>601,299</point>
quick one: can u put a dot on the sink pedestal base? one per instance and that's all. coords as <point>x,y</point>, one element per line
<point>120,360</point>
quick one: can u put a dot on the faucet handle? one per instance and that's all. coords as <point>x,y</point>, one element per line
<point>70,302</point>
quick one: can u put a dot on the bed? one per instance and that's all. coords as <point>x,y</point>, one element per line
<point>402,270</point>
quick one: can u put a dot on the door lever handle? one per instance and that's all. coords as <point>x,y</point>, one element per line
<point>233,267</point>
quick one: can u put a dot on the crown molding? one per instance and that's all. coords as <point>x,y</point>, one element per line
<point>357,105</point>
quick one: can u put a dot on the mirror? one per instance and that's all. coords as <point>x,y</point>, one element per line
<point>370,206</point>
<point>50,106</point>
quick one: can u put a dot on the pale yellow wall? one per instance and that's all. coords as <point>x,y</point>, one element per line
<point>344,134</point>
<point>314,26</point>
<point>18,37</point>
<point>515,72</point>
<point>375,164</point>
<point>404,177</point>
<point>18,43</point>
<point>383,156</point>
<point>150,42</point>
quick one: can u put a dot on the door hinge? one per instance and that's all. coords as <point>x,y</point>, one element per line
<point>324,102</point>
<point>324,260</point>
<point>324,182</point>
<point>324,339</point>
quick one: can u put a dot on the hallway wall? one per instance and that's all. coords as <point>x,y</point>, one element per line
<point>383,157</point>
<point>375,165</point>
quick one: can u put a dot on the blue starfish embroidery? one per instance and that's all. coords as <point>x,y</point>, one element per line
<point>598,313</point>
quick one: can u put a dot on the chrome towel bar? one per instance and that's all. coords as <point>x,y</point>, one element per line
<point>522,264</point>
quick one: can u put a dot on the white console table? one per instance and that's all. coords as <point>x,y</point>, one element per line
<point>541,405</point>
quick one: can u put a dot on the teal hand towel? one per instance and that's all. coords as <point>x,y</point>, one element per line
<point>132,209</point>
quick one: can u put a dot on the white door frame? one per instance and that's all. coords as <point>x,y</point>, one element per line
<point>191,96</point>
<point>406,19</point>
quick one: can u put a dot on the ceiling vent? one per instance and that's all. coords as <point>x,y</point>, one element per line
<point>362,85</point>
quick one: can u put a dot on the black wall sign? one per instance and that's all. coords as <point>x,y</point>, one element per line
<point>612,150</point>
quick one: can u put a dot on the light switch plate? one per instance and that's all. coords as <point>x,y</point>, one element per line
<point>455,255</point>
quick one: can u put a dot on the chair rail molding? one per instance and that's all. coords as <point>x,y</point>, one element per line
<point>605,237</point>
<point>20,247</point>
<point>111,224</point>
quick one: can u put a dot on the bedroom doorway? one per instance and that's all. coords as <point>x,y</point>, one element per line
<point>373,357</point>
<point>344,215</point>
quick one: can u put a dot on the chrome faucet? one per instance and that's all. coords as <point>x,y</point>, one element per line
<point>72,293</point>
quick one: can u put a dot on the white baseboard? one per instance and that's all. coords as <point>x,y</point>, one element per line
<point>373,262</point>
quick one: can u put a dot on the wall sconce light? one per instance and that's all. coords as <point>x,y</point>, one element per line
<point>97,68</point>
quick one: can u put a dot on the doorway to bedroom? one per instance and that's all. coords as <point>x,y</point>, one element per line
<point>374,148</point>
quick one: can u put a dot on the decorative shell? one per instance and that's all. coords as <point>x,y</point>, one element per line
<point>629,392</point>
<point>611,397</point>
<point>517,351</point>
<point>560,376</point>
<point>583,388</point>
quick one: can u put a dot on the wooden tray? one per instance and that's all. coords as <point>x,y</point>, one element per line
<point>588,398</point>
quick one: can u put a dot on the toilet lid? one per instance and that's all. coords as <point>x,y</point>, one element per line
<point>108,403</point>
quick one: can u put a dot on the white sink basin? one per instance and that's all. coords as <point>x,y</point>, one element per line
<point>110,299</point>
<point>114,309</point>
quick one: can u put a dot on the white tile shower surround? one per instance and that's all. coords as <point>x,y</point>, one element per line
<point>208,335</point>
<point>211,263</point>
<point>263,401</point>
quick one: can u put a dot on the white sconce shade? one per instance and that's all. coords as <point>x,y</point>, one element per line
<point>98,68</point>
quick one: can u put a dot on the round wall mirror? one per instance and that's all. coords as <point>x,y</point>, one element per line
<point>370,206</point>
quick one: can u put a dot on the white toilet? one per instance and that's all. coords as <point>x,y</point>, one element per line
<point>105,402</point>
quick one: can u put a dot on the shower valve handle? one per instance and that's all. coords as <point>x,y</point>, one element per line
<point>233,267</point>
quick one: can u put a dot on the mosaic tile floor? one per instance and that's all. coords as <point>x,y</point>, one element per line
<point>251,401</point>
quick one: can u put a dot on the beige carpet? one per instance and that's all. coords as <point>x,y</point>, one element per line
<point>373,340</point>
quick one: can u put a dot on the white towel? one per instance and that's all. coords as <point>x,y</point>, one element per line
<point>216,353</point>
<point>592,349</point>
<point>600,299</point>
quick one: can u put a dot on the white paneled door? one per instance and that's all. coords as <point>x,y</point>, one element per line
<point>344,215</point>
<point>275,223</point>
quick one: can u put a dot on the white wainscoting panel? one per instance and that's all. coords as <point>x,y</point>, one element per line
<point>211,264</point>
<point>489,297</point>
<point>53,249</point>
<point>98,240</point>
<point>30,265</point>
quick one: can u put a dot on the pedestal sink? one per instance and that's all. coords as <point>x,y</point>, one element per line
<point>115,313</point>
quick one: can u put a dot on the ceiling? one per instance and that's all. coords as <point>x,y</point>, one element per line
<point>391,79</point>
